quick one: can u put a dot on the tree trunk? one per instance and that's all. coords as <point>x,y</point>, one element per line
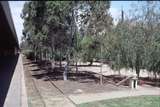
<point>137,66</point>
<point>137,71</point>
<point>77,73</point>
<point>35,55</point>
<point>101,75</point>
<point>60,62</point>
<point>40,54</point>
<point>119,65</point>
<point>65,72</point>
<point>44,55</point>
<point>91,62</point>
<point>119,72</point>
<point>155,76</point>
<point>66,69</point>
<point>52,58</point>
<point>76,67</point>
<point>52,52</point>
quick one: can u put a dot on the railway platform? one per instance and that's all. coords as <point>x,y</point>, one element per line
<point>12,83</point>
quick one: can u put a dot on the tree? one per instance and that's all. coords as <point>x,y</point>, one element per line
<point>89,49</point>
<point>33,13</point>
<point>50,24</point>
<point>134,41</point>
<point>95,21</point>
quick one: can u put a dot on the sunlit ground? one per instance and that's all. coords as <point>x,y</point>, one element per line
<point>142,101</point>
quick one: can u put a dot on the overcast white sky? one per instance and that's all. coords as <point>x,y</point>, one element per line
<point>16,9</point>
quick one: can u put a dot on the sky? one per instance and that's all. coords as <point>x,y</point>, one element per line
<point>16,9</point>
<point>17,6</point>
<point>116,8</point>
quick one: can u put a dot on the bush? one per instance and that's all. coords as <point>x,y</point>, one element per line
<point>29,54</point>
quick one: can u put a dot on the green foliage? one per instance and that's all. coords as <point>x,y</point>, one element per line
<point>57,29</point>
<point>90,49</point>
<point>95,22</point>
<point>53,24</point>
<point>134,43</point>
<point>29,54</point>
<point>46,25</point>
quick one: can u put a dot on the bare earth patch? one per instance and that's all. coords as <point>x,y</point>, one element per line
<point>45,87</point>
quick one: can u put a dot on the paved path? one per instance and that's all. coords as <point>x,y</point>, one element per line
<point>84,98</point>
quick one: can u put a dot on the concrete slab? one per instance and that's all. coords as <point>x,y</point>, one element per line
<point>16,96</point>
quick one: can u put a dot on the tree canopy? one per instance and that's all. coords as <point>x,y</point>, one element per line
<point>84,30</point>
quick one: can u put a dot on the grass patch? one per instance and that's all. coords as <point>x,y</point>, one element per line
<point>140,101</point>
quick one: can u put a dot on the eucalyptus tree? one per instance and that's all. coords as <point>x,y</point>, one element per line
<point>149,18</point>
<point>96,22</point>
<point>50,24</point>
<point>135,42</point>
<point>118,45</point>
<point>32,14</point>
<point>151,24</point>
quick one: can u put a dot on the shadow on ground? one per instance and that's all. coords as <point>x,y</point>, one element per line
<point>57,74</point>
<point>44,70</point>
<point>149,81</point>
<point>83,76</point>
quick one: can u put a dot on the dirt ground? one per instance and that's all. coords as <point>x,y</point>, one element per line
<point>83,82</point>
<point>42,93</point>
